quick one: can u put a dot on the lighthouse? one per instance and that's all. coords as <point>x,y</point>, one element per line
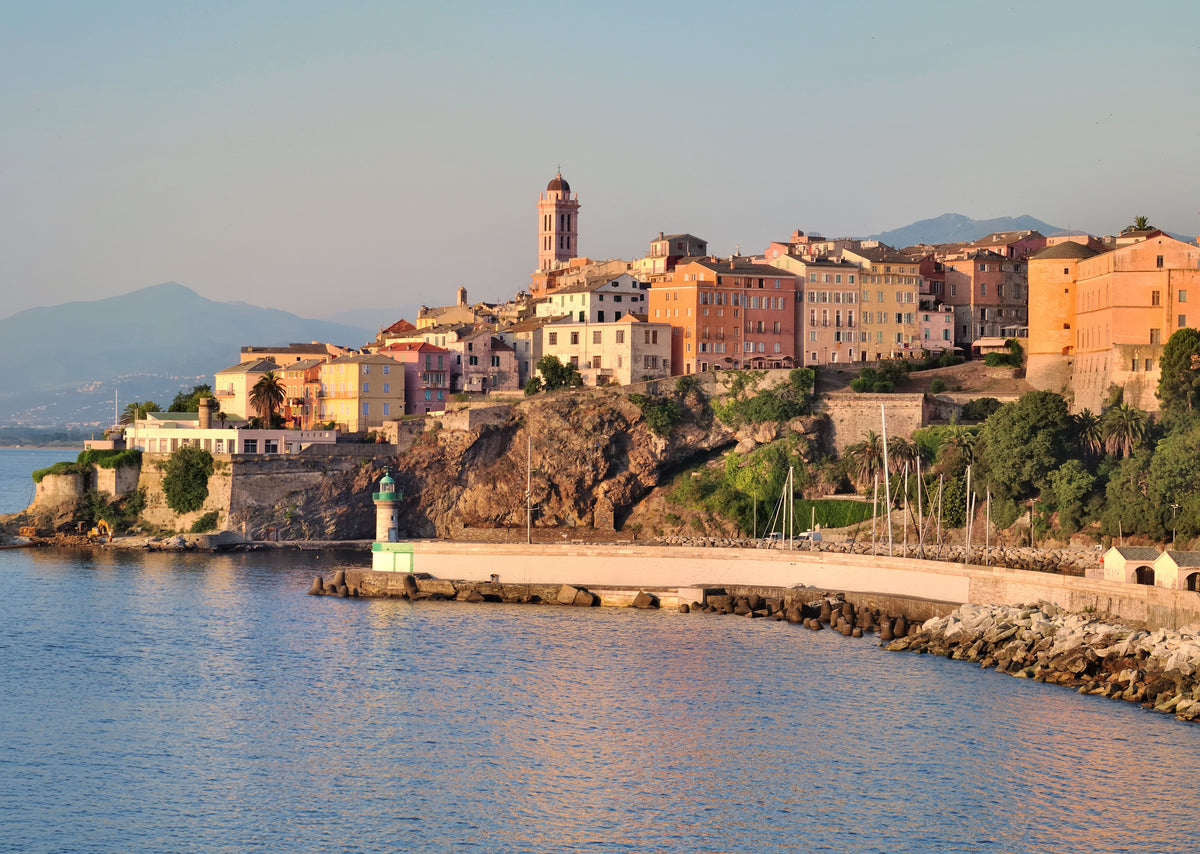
<point>387,513</point>
<point>387,554</point>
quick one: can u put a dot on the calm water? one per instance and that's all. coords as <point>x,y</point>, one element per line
<point>200,703</point>
<point>16,466</point>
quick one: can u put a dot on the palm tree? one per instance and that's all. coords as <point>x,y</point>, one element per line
<point>866,458</point>
<point>1124,428</point>
<point>1140,223</point>
<point>222,417</point>
<point>137,410</point>
<point>1089,431</point>
<point>901,453</point>
<point>267,395</point>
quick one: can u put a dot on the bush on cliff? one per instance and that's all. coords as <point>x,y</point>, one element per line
<point>746,404</point>
<point>185,478</point>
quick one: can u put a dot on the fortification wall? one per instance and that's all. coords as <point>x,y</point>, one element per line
<point>117,482</point>
<point>852,415</point>
<point>58,489</point>
<point>158,514</point>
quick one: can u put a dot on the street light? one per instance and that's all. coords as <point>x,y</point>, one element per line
<point>1174,507</point>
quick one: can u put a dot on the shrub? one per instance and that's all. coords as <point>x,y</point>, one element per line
<point>979,409</point>
<point>937,386</point>
<point>185,478</point>
<point>661,413</point>
<point>207,522</point>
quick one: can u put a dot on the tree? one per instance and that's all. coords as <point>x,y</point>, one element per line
<point>902,453</point>
<point>137,411</point>
<point>1140,223</point>
<point>1071,483</point>
<point>1023,442</point>
<point>267,396</point>
<point>1088,433</point>
<point>1179,371</point>
<point>190,401</point>
<point>533,386</point>
<point>185,478</point>
<point>1124,427</point>
<point>865,459</point>
<point>556,375</point>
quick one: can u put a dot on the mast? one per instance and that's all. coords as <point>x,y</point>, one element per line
<point>887,484</point>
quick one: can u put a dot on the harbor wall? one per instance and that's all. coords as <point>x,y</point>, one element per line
<point>669,569</point>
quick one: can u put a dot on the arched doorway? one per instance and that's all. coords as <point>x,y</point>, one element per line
<point>1193,582</point>
<point>1144,575</point>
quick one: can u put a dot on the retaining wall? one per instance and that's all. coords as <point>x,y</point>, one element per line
<point>664,568</point>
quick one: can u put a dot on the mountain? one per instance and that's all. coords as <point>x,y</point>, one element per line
<point>953,228</point>
<point>64,363</point>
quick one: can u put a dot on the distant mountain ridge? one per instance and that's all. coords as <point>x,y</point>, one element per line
<point>64,362</point>
<point>955,228</point>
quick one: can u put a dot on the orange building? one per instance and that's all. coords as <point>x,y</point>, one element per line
<point>1099,320</point>
<point>728,313</point>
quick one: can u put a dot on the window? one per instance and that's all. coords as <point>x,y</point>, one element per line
<point>366,386</point>
<point>387,388</point>
<point>574,337</point>
<point>366,408</point>
<point>271,446</point>
<point>983,289</point>
<point>472,360</point>
<point>1159,261</point>
<point>366,369</point>
<point>1155,336</point>
<point>1149,364</point>
<point>428,394</point>
<point>620,336</point>
<point>1182,321</point>
<point>387,369</point>
<point>1156,298</point>
<point>495,361</point>
<point>1183,296</point>
<point>250,446</point>
<point>953,290</point>
<point>596,336</point>
<point>387,409</point>
<point>553,338</point>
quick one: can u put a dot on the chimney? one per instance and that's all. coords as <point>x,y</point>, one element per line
<point>205,413</point>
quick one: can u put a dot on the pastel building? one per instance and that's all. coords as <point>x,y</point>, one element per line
<point>1100,319</point>
<point>597,299</point>
<point>666,251</point>
<point>427,374</point>
<point>831,321</point>
<point>165,432</point>
<point>485,363</point>
<point>558,225</point>
<point>890,288</point>
<point>359,392</point>
<point>618,352</point>
<point>301,387</point>
<point>232,386</point>
<point>728,313</point>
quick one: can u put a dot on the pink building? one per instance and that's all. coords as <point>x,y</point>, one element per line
<point>427,371</point>
<point>558,224</point>
<point>485,363</point>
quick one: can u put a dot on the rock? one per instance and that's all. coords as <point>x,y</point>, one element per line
<point>343,591</point>
<point>473,596</point>
<point>793,614</point>
<point>825,613</point>
<point>755,602</point>
<point>318,587</point>
<point>885,630</point>
<point>566,595</point>
<point>339,578</point>
<point>684,608</point>
<point>742,608</point>
<point>645,601</point>
<point>410,585</point>
<point>856,632</point>
<point>584,599</point>
<point>900,629</point>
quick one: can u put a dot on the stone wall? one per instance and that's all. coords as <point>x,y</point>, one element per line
<point>852,415</point>
<point>475,416</point>
<point>158,514</point>
<point>117,482</point>
<point>261,482</point>
<point>59,489</point>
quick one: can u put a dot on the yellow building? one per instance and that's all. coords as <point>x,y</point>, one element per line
<point>232,386</point>
<point>358,393</point>
<point>890,285</point>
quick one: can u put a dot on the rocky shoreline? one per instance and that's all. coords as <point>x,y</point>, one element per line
<point>1041,642</point>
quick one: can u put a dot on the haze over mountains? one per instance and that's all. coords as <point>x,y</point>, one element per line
<point>65,362</point>
<point>954,228</point>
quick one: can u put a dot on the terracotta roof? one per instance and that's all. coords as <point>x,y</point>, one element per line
<point>744,266</point>
<point>412,347</point>
<point>400,325</point>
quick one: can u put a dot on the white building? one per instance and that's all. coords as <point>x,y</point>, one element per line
<point>625,351</point>
<point>597,299</point>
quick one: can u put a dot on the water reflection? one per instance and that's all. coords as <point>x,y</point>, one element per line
<point>210,705</point>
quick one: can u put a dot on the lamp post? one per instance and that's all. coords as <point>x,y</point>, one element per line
<point>1174,507</point>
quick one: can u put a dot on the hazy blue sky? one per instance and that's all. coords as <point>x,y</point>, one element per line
<point>318,156</point>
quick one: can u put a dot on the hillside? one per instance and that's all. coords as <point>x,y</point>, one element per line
<point>953,228</point>
<point>65,362</point>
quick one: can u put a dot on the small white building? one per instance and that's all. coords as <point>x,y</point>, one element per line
<point>625,351</point>
<point>1178,570</point>
<point>1130,564</point>
<point>597,299</point>
<point>164,432</point>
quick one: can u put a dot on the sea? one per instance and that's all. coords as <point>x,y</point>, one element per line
<point>159,702</point>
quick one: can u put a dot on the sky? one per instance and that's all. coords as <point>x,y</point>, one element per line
<point>328,157</point>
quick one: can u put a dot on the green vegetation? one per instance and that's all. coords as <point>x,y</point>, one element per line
<point>120,514</point>
<point>206,523</point>
<point>937,385</point>
<point>267,396</point>
<point>979,409</point>
<point>746,403</point>
<point>661,413</point>
<point>185,478</point>
<point>556,375</point>
<point>1013,358</point>
<point>189,401</point>
<point>106,459</point>
<point>882,379</point>
<point>137,410</point>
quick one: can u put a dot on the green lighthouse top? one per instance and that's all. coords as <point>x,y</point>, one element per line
<point>387,488</point>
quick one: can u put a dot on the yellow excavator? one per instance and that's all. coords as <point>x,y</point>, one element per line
<point>102,531</point>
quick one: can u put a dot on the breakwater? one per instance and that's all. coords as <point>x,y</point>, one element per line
<point>1155,668</point>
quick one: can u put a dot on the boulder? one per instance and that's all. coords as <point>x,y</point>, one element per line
<point>566,595</point>
<point>644,600</point>
<point>318,587</point>
<point>339,578</point>
<point>684,608</point>
<point>585,599</point>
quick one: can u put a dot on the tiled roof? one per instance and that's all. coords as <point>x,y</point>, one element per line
<point>400,325</point>
<point>1068,250</point>
<point>259,367</point>
<point>1137,552</point>
<point>1184,558</point>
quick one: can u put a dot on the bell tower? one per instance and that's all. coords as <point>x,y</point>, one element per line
<point>558,224</point>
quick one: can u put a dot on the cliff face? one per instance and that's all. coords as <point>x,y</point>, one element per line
<point>590,449</point>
